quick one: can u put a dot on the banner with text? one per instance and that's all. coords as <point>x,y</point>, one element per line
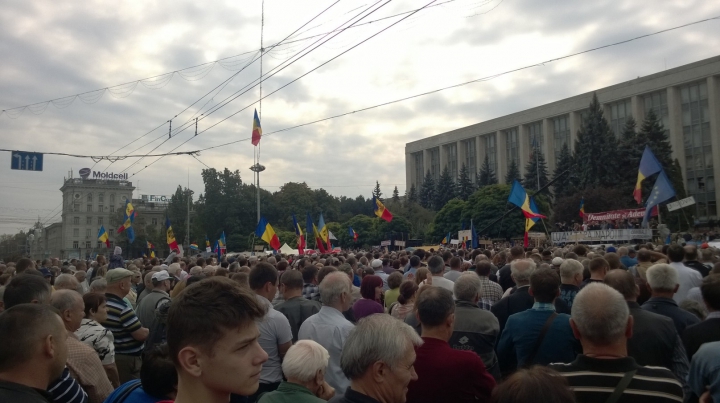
<point>618,215</point>
<point>601,235</point>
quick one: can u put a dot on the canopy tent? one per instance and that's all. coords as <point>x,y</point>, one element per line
<point>286,249</point>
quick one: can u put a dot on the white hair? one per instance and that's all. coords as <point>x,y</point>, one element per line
<point>521,269</point>
<point>376,338</point>
<point>467,286</point>
<point>304,359</point>
<point>98,285</point>
<point>570,267</point>
<point>661,277</point>
<point>67,281</point>
<point>600,313</point>
<point>332,287</point>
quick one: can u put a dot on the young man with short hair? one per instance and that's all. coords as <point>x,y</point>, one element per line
<point>213,341</point>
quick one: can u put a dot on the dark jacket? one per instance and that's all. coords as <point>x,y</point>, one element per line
<point>694,264</point>
<point>115,262</point>
<point>668,307</point>
<point>296,310</point>
<point>476,330</point>
<point>504,276</point>
<point>352,396</point>
<point>703,332</point>
<point>520,301</point>
<point>654,338</point>
<point>17,393</point>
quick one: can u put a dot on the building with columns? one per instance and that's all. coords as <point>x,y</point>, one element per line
<point>687,98</point>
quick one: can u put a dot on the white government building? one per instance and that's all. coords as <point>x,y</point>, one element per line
<point>687,98</point>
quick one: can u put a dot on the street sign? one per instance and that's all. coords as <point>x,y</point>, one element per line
<point>25,161</point>
<point>688,201</point>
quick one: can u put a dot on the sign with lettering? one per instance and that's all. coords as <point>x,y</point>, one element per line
<point>601,235</point>
<point>618,215</point>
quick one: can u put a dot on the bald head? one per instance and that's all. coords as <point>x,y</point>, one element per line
<point>623,282</point>
<point>67,282</point>
<point>600,315</point>
<point>71,307</point>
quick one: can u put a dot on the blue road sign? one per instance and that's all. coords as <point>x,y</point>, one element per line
<point>26,161</point>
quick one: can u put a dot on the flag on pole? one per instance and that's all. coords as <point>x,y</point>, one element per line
<point>319,243</point>
<point>324,233</point>
<point>194,245</point>
<point>661,191</point>
<point>520,198</point>
<point>446,240</point>
<point>151,249</point>
<point>218,250</point>
<point>309,225</point>
<point>648,165</point>
<point>265,232</point>
<point>353,234</point>
<point>299,234</point>
<point>475,240</point>
<point>222,243</point>
<point>128,219</point>
<point>172,243</point>
<point>257,130</point>
<point>103,236</point>
<point>529,222</point>
<point>207,241</point>
<point>582,207</point>
<point>381,211</point>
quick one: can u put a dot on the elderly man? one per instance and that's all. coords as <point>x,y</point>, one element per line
<point>627,261</point>
<point>445,374</point>
<point>662,280</point>
<point>378,359</point>
<point>329,327</point>
<point>571,276</point>
<point>147,281</point>
<point>33,352</point>
<point>82,360</point>
<point>304,368</point>
<point>490,291</point>
<point>538,335</point>
<point>601,321</point>
<point>687,278</point>
<point>67,281</point>
<point>157,297</point>
<point>81,277</point>
<point>475,329</point>
<point>436,265</point>
<point>520,300</point>
<point>655,341</point>
<point>124,324</point>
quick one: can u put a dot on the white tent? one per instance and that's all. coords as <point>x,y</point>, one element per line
<point>286,249</point>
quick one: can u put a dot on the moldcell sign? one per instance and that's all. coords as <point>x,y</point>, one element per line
<point>85,174</point>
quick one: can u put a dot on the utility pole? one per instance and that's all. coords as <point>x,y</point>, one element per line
<point>188,212</point>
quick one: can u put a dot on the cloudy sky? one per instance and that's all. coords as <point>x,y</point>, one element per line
<point>53,50</point>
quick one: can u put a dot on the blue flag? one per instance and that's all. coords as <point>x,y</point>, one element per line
<point>661,192</point>
<point>309,228</point>
<point>475,240</point>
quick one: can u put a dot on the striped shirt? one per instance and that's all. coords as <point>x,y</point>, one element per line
<point>594,380</point>
<point>67,390</point>
<point>122,321</point>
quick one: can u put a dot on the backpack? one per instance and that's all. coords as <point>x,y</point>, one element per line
<point>158,327</point>
<point>129,388</point>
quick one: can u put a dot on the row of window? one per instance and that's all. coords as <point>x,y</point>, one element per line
<point>88,245</point>
<point>88,221</point>
<point>89,208</point>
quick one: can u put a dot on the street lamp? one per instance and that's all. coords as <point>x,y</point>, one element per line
<point>257,168</point>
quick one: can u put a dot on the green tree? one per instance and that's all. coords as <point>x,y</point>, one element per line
<point>657,138</point>
<point>376,192</point>
<point>465,186</point>
<point>448,219</point>
<point>411,195</point>
<point>628,155</point>
<point>596,150</point>
<point>428,192</point>
<point>396,195</point>
<point>486,175</point>
<point>513,173</point>
<point>445,189</point>
<point>293,198</point>
<point>177,211</point>
<point>535,164</point>
<point>565,174</point>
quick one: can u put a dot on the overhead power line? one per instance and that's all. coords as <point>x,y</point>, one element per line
<point>159,81</point>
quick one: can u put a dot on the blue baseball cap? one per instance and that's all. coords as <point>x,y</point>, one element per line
<point>45,272</point>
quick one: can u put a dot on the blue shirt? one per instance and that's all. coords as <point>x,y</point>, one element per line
<point>705,370</point>
<point>628,262</point>
<point>138,395</point>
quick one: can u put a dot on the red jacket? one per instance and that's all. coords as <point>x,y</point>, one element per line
<point>447,375</point>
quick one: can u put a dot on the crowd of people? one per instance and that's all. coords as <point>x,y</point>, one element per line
<point>556,324</point>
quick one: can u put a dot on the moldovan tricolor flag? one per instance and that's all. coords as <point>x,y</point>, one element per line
<point>257,130</point>
<point>648,165</point>
<point>299,234</point>
<point>353,234</point>
<point>381,211</point>
<point>103,236</point>
<point>172,243</point>
<point>128,219</point>
<point>582,207</point>
<point>265,232</point>
<point>519,197</point>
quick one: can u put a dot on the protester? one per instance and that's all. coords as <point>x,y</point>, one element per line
<point>404,305</point>
<point>598,268</point>
<point>601,321</point>
<point>655,342</point>
<point>437,268</point>
<point>474,329</point>
<point>92,333</point>
<point>116,260</point>
<point>394,281</point>
<point>703,332</point>
<point>571,277</point>
<point>371,292</point>
<point>438,362</point>
<point>124,324</point>
<point>157,297</point>
<point>687,278</point>
<point>537,384</point>
<point>213,341</point>
<point>310,281</point>
<point>67,282</point>
<point>329,327</point>
<point>538,335</point>
<point>490,291</point>
<point>304,368</point>
<point>378,360</point>
<point>275,333</point>
<point>704,378</point>
<point>662,279</point>
<point>295,307</point>
<point>82,360</point>
<point>158,380</point>
<point>414,265</point>
<point>33,352</point>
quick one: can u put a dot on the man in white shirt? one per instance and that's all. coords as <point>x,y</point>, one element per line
<point>687,277</point>
<point>436,265</point>
<point>275,332</point>
<point>329,328</point>
<point>377,266</point>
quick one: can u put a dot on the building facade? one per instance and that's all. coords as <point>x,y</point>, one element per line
<point>686,98</point>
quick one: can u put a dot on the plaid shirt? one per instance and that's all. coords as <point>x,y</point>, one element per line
<point>86,368</point>
<point>310,291</point>
<point>490,293</point>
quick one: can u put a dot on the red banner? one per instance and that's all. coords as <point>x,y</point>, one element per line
<point>618,215</point>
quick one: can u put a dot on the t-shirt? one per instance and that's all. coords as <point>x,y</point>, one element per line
<point>136,394</point>
<point>443,282</point>
<point>122,322</point>
<point>366,307</point>
<point>274,330</point>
